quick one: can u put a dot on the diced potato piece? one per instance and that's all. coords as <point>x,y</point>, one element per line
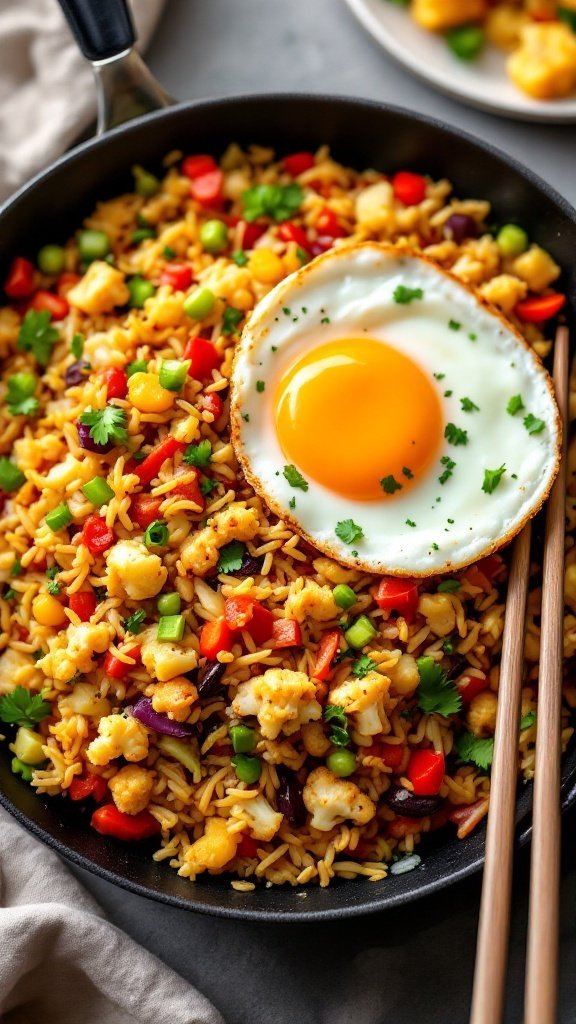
<point>440,15</point>
<point>85,699</point>
<point>100,290</point>
<point>214,850</point>
<point>131,788</point>
<point>28,746</point>
<point>536,267</point>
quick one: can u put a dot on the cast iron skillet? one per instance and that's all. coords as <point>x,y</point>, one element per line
<point>362,134</point>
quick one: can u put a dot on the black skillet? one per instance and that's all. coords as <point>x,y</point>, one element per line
<point>359,133</point>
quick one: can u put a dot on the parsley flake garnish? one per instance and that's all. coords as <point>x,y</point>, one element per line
<point>515,405</point>
<point>454,435</point>
<point>52,571</point>
<point>450,466</point>
<point>20,707</point>
<point>439,376</point>
<point>468,405</point>
<point>473,337</point>
<point>246,417</point>
<point>448,394</point>
<point>533,424</point>
<point>362,666</point>
<point>231,557</point>
<point>133,624</point>
<point>36,335</point>
<point>435,547</point>
<point>389,485</point>
<point>279,202</point>
<point>325,320</point>
<point>448,586</point>
<point>407,473</point>
<point>348,531</point>
<point>410,522</point>
<point>107,424</point>
<point>198,455</point>
<point>454,325</point>
<point>404,296</point>
<point>338,734</point>
<point>260,386</point>
<point>295,478</point>
<point>436,693</point>
<point>207,485</point>
<point>292,503</point>
<point>492,478</point>
<point>230,319</point>
<point>53,587</point>
<point>474,750</point>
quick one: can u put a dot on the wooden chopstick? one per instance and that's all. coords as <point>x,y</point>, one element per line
<point>540,996</point>
<point>493,927</point>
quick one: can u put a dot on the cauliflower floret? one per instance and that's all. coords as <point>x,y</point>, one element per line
<point>439,15</point>
<point>85,699</point>
<point>120,736</point>
<point>481,717</point>
<point>504,25</point>
<point>175,698</point>
<point>262,820</point>
<point>165,661</point>
<point>214,850</point>
<point>333,572</point>
<point>536,267</point>
<point>315,740</point>
<point>101,288</point>
<point>312,601</point>
<point>363,698</point>
<point>31,452</point>
<point>69,469</point>
<point>504,291</point>
<point>404,675</point>
<point>544,65</point>
<point>281,699</point>
<point>199,553</point>
<point>134,571</point>
<point>439,613</point>
<point>73,650</point>
<point>374,206</point>
<point>131,788</point>
<point>331,800</point>
<point>17,669</point>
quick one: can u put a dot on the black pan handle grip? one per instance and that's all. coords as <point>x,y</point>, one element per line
<point>102,28</point>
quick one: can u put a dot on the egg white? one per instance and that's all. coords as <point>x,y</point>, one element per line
<point>348,293</point>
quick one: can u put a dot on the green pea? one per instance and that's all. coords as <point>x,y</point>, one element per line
<point>169,604</point>
<point>466,41</point>
<point>214,236</point>
<point>140,289</point>
<point>199,303</point>
<point>145,183</point>
<point>344,596</point>
<point>342,763</point>
<point>51,259</point>
<point>243,739</point>
<point>93,245</point>
<point>512,240</point>
<point>248,769</point>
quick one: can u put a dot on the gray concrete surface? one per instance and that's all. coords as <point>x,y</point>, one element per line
<point>403,967</point>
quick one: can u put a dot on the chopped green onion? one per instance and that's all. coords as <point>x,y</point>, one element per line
<point>342,763</point>
<point>98,491</point>
<point>145,183</point>
<point>169,604</point>
<point>156,535</point>
<point>199,303</point>
<point>360,632</point>
<point>344,596</point>
<point>248,769</point>
<point>138,366</point>
<point>59,517</point>
<point>173,373</point>
<point>243,739</point>
<point>512,240</point>
<point>93,245</point>
<point>171,628</point>
<point>51,259</point>
<point>11,478</point>
<point>140,289</point>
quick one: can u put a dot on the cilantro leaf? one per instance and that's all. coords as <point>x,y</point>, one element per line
<point>36,335</point>
<point>533,424</point>
<point>279,202</point>
<point>515,405</point>
<point>20,398</point>
<point>107,424</point>
<point>11,477</point>
<point>20,707</point>
<point>133,624</point>
<point>77,346</point>
<point>294,478</point>
<point>468,405</point>
<point>448,586</point>
<point>362,666</point>
<point>492,478</point>
<point>436,693</point>
<point>527,720</point>
<point>474,750</point>
<point>404,296</point>
<point>338,734</point>
<point>231,557</point>
<point>198,455</point>
<point>207,485</point>
<point>348,531</point>
<point>230,319</point>
<point>53,587</point>
<point>454,435</point>
<point>389,485</point>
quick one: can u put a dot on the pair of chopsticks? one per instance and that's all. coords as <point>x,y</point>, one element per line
<point>540,995</point>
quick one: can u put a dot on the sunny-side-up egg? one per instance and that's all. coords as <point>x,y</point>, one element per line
<point>395,420</point>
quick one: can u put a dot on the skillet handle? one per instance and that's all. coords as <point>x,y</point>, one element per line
<point>105,34</point>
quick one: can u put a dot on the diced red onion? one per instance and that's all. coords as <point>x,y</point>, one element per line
<point>144,712</point>
<point>76,373</point>
<point>460,226</point>
<point>89,443</point>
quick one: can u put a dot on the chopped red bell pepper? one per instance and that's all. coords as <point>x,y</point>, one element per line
<point>109,821</point>
<point>65,282</point>
<point>215,636</point>
<point>391,753</point>
<point>290,232</point>
<point>490,566</point>
<point>83,786</point>
<point>329,646</point>
<point>328,224</point>
<point>190,491</point>
<point>207,189</point>
<point>539,307</point>
<point>398,595</point>
<point>286,633</point>
<point>251,232</point>
<point>244,612</point>
<point>211,403</point>
<point>20,281</point>
<point>426,770</point>
<point>116,382</point>
<point>96,535</point>
<point>248,846</point>
<point>297,163</point>
<point>83,603</point>
<point>470,686</point>
<point>198,165</point>
<point>152,464</point>
<point>409,188</point>
<point>178,275</point>
<point>203,358</point>
<point>145,508</point>
<point>57,305</point>
<point>117,669</point>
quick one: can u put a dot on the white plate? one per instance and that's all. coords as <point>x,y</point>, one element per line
<point>482,83</point>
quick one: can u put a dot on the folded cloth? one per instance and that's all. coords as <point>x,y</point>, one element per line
<point>47,95</point>
<point>61,962</point>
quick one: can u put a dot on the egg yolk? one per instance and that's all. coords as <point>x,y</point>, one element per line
<point>355,412</point>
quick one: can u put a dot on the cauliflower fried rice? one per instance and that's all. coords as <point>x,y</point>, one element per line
<point>197,682</point>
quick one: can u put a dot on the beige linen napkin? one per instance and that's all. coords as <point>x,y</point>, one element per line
<point>46,88</point>
<point>61,962</point>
